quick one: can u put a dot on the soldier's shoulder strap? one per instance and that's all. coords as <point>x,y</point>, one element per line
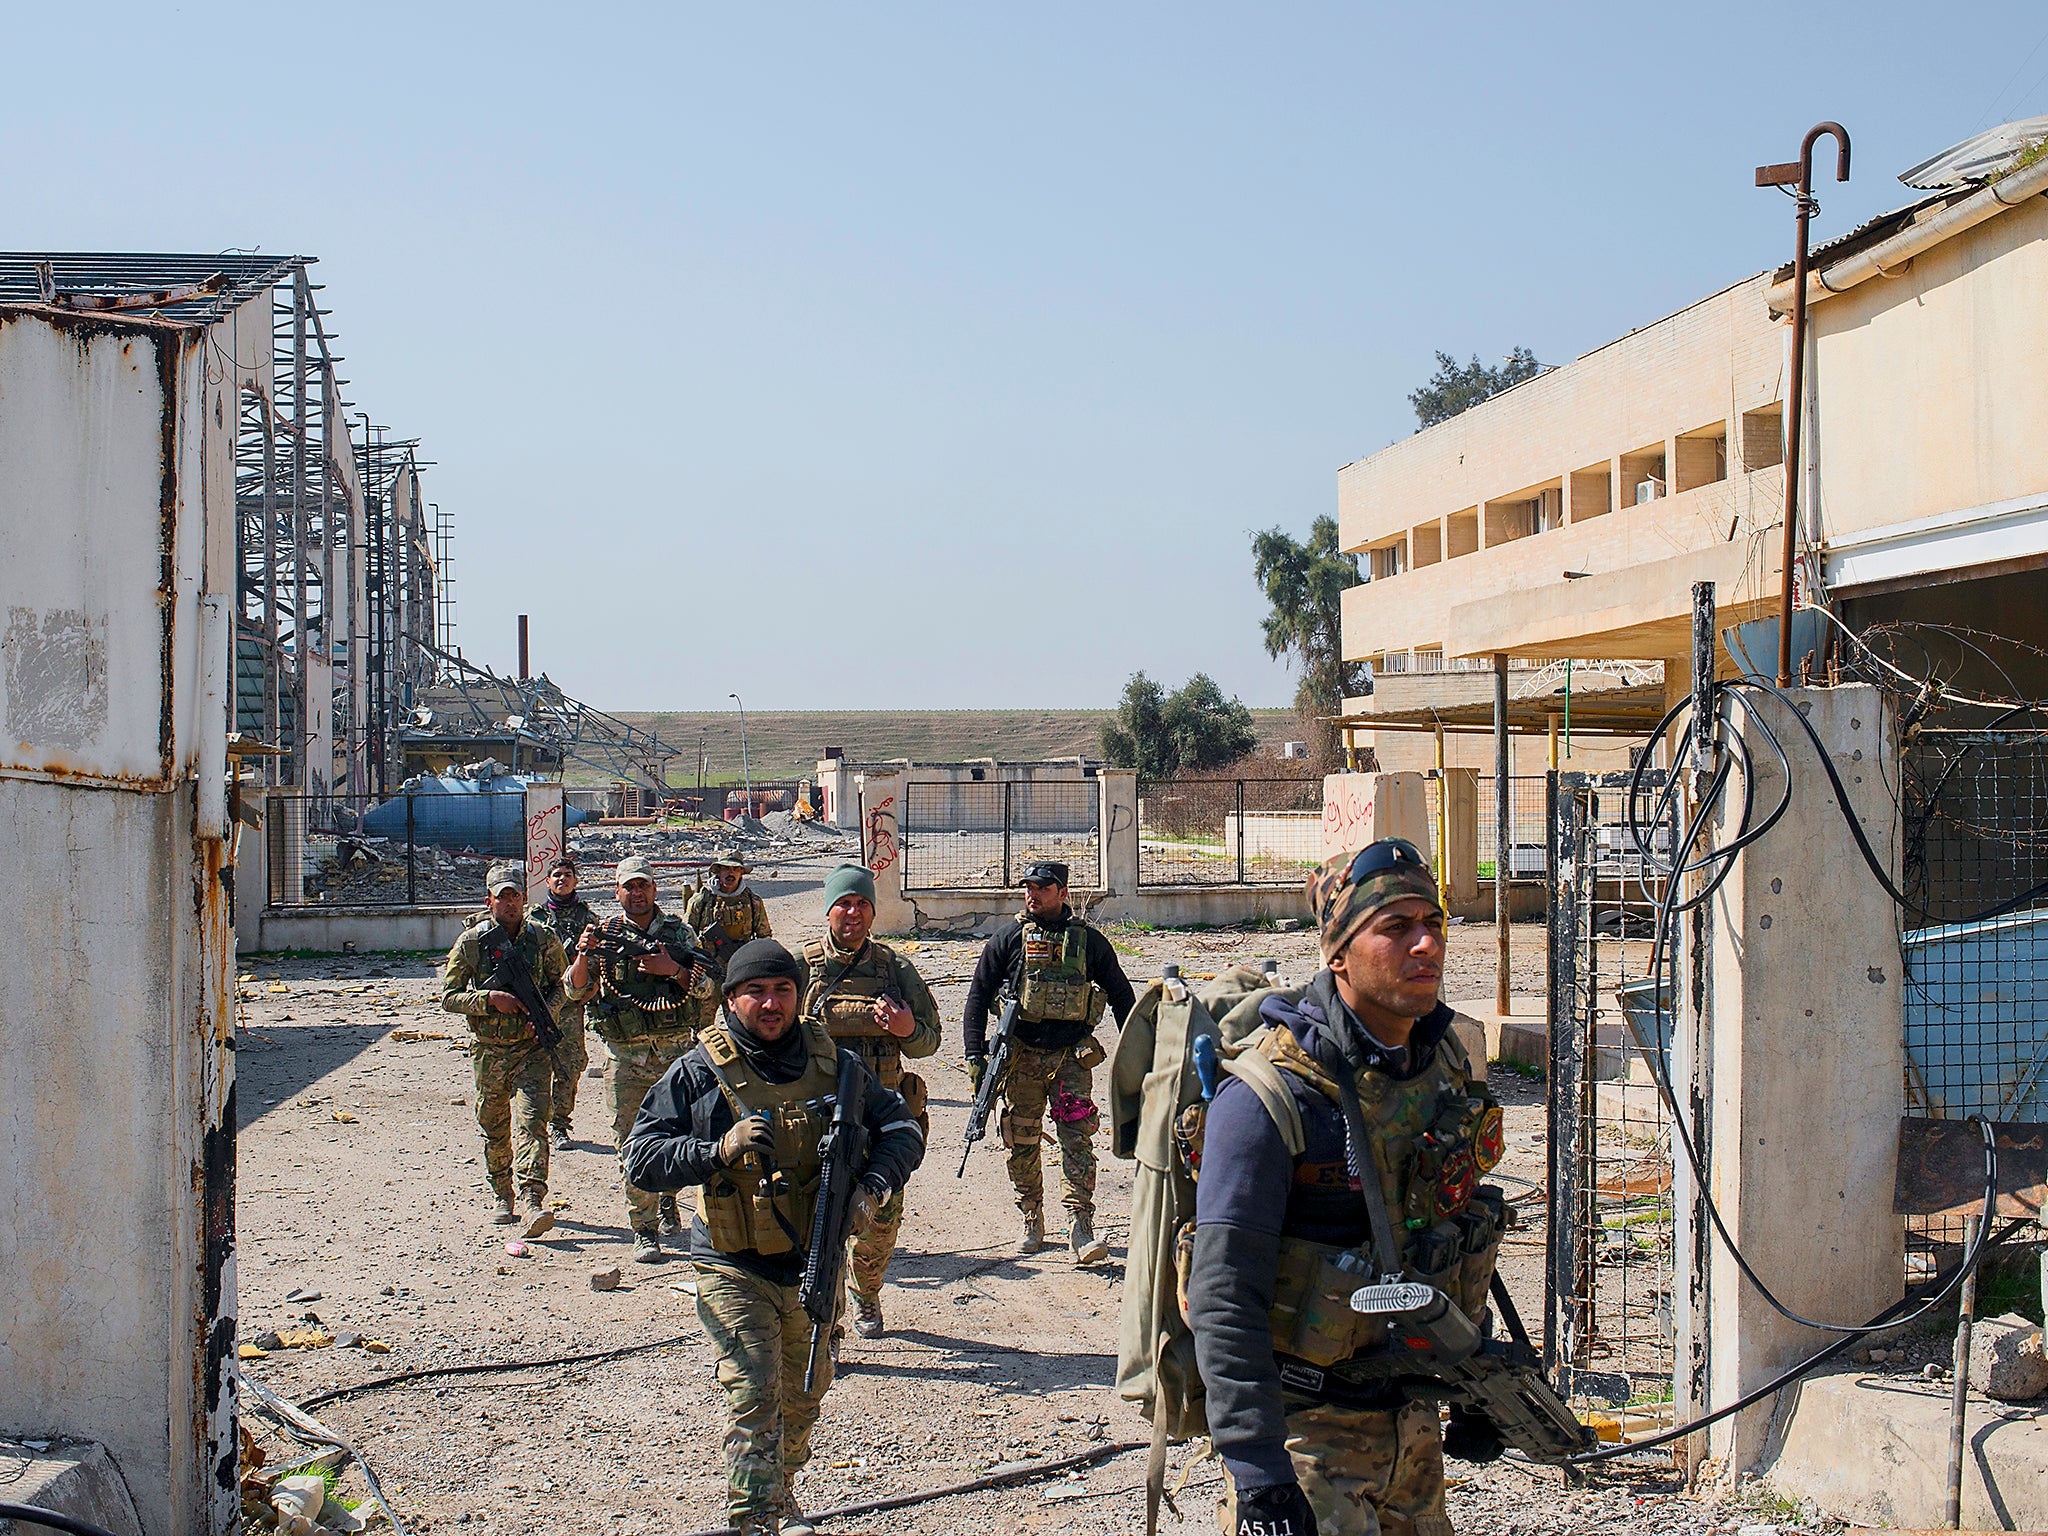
<point>814,952</point>
<point>1256,1062</point>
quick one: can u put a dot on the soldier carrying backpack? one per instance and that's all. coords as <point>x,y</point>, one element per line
<point>1258,1340</point>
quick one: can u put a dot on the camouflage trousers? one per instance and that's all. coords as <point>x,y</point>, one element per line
<point>636,1066</point>
<point>571,1057</point>
<point>512,1111</point>
<point>1366,1473</point>
<point>873,1249</point>
<point>762,1338</point>
<point>1036,1079</point>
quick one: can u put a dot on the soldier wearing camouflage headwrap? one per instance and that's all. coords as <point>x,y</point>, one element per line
<point>1283,1236</point>
<point>646,1012</point>
<point>512,1072</point>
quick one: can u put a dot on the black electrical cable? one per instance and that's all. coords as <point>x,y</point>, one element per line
<point>1884,1319</point>
<point>486,1367</point>
<point>1663,951</point>
<point>49,1519</point>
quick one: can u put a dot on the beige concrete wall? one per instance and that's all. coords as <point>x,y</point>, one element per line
<point>1933,384</point>
<point>1415,609</point>
<point>1707,363</point>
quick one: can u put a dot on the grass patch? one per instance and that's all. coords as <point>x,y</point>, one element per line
<point>1517,1069</point>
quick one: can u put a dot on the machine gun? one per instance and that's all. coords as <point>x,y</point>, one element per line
<point>511,974</point>
<point>843,1155</point>
<point>620,940</point>
<point>1435,1353</point>
<point>991,1082</point>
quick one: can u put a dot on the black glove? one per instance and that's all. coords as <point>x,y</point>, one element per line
<point>1472,1437</point>
<point>1281,1510</point>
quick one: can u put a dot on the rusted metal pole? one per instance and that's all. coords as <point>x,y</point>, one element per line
<point>1959,1400</point>
<point>1503,833</point>
<point>522,648</point>
<point>1795,399</point>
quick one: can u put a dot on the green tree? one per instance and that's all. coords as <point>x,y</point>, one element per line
<point>1457,386</point>
<point>1163,734</point>
<point>1305,583</point>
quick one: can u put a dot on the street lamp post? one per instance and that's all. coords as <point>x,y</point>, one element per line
<point>746,774</point>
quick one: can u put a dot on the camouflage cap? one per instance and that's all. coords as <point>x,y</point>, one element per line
<point>502,875</point>
<point>1342,906</point>
<point>731,861</point>
<point>635,868</point>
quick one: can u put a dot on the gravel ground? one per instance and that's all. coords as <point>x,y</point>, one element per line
<point>361,1179</point>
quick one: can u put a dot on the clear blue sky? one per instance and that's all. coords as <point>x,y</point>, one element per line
<point>935,356</point>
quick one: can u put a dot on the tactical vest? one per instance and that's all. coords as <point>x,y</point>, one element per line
<point>1054,987</point>
<point>847,1011</point>
<point>765,1204</point>
<point>1434,1135</point>
<point>496,1028</point>
<point>731,916</point>
<point>629,1003</point>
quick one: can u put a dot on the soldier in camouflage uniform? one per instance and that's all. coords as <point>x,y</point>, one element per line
<point>566,915</point>
<point>872,1002</point>
<point>1063,973</point>
<point>511,1071</point>
<point>646,1012</point>
<point>741,1118</point>
<point>728,912</point>
<point>1283,1236</point>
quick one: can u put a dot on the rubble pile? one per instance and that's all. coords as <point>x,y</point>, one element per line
<point>372,871</point>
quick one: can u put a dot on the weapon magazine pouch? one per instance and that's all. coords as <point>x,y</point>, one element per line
<point>916,1099</point>
<point>1312,1317</point>
<point>1088,1051</point>
<point>1480,1227</point>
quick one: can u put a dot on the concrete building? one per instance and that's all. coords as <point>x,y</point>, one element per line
<point>1569,516</point>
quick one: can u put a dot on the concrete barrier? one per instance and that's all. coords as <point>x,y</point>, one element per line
<point>1873,1449</point>
<point>67,1477</point>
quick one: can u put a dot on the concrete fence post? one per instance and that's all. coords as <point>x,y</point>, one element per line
<point>1805,1027</point>
<point>1119,790</point>
<point>881,797</point>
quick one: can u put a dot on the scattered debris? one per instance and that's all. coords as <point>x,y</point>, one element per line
<point>302,1293</point>
<point>305,1338</point>
<point>605,1280</point>
<point>516,1249</point>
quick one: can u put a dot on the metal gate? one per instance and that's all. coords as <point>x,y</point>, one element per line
<point>976,834</point>
<point>1608,1313</point>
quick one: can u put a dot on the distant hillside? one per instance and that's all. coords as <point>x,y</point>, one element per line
<point>784,744</point>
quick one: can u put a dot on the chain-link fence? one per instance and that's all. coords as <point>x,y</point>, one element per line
<point>1229,831</point>
<point>1527,839</point>
<point>972,834</point>
<point>1609,1321</point>
<point>412,850</point>
<point>1974,806</point>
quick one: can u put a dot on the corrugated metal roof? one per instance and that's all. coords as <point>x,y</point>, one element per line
<point>193,287</point>
<point>1978,158</point>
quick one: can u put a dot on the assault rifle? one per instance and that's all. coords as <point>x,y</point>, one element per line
<point>1435,1353</point>
<point>999,1044</point>
<point>511,974</point>
<point>620,940</point>
<point>843,1156</point>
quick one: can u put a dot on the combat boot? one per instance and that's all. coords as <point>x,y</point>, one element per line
<point>671,1218</point>
<point>761,1522</point>
<point>559,1139</point>
<point>538,1217</point>
<point>1086,1247</point>
<point>502,1214</point>
<point>792,1516</point>
<point>867,1318</point>
<point>1033,1240</point>
<point>646,1246</point>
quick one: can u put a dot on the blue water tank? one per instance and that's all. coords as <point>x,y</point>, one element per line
<point>488,815</point>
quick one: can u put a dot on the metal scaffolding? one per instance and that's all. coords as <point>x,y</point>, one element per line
<point>345,650</point>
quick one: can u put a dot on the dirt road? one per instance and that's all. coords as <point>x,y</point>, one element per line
<point>361,1178</point>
